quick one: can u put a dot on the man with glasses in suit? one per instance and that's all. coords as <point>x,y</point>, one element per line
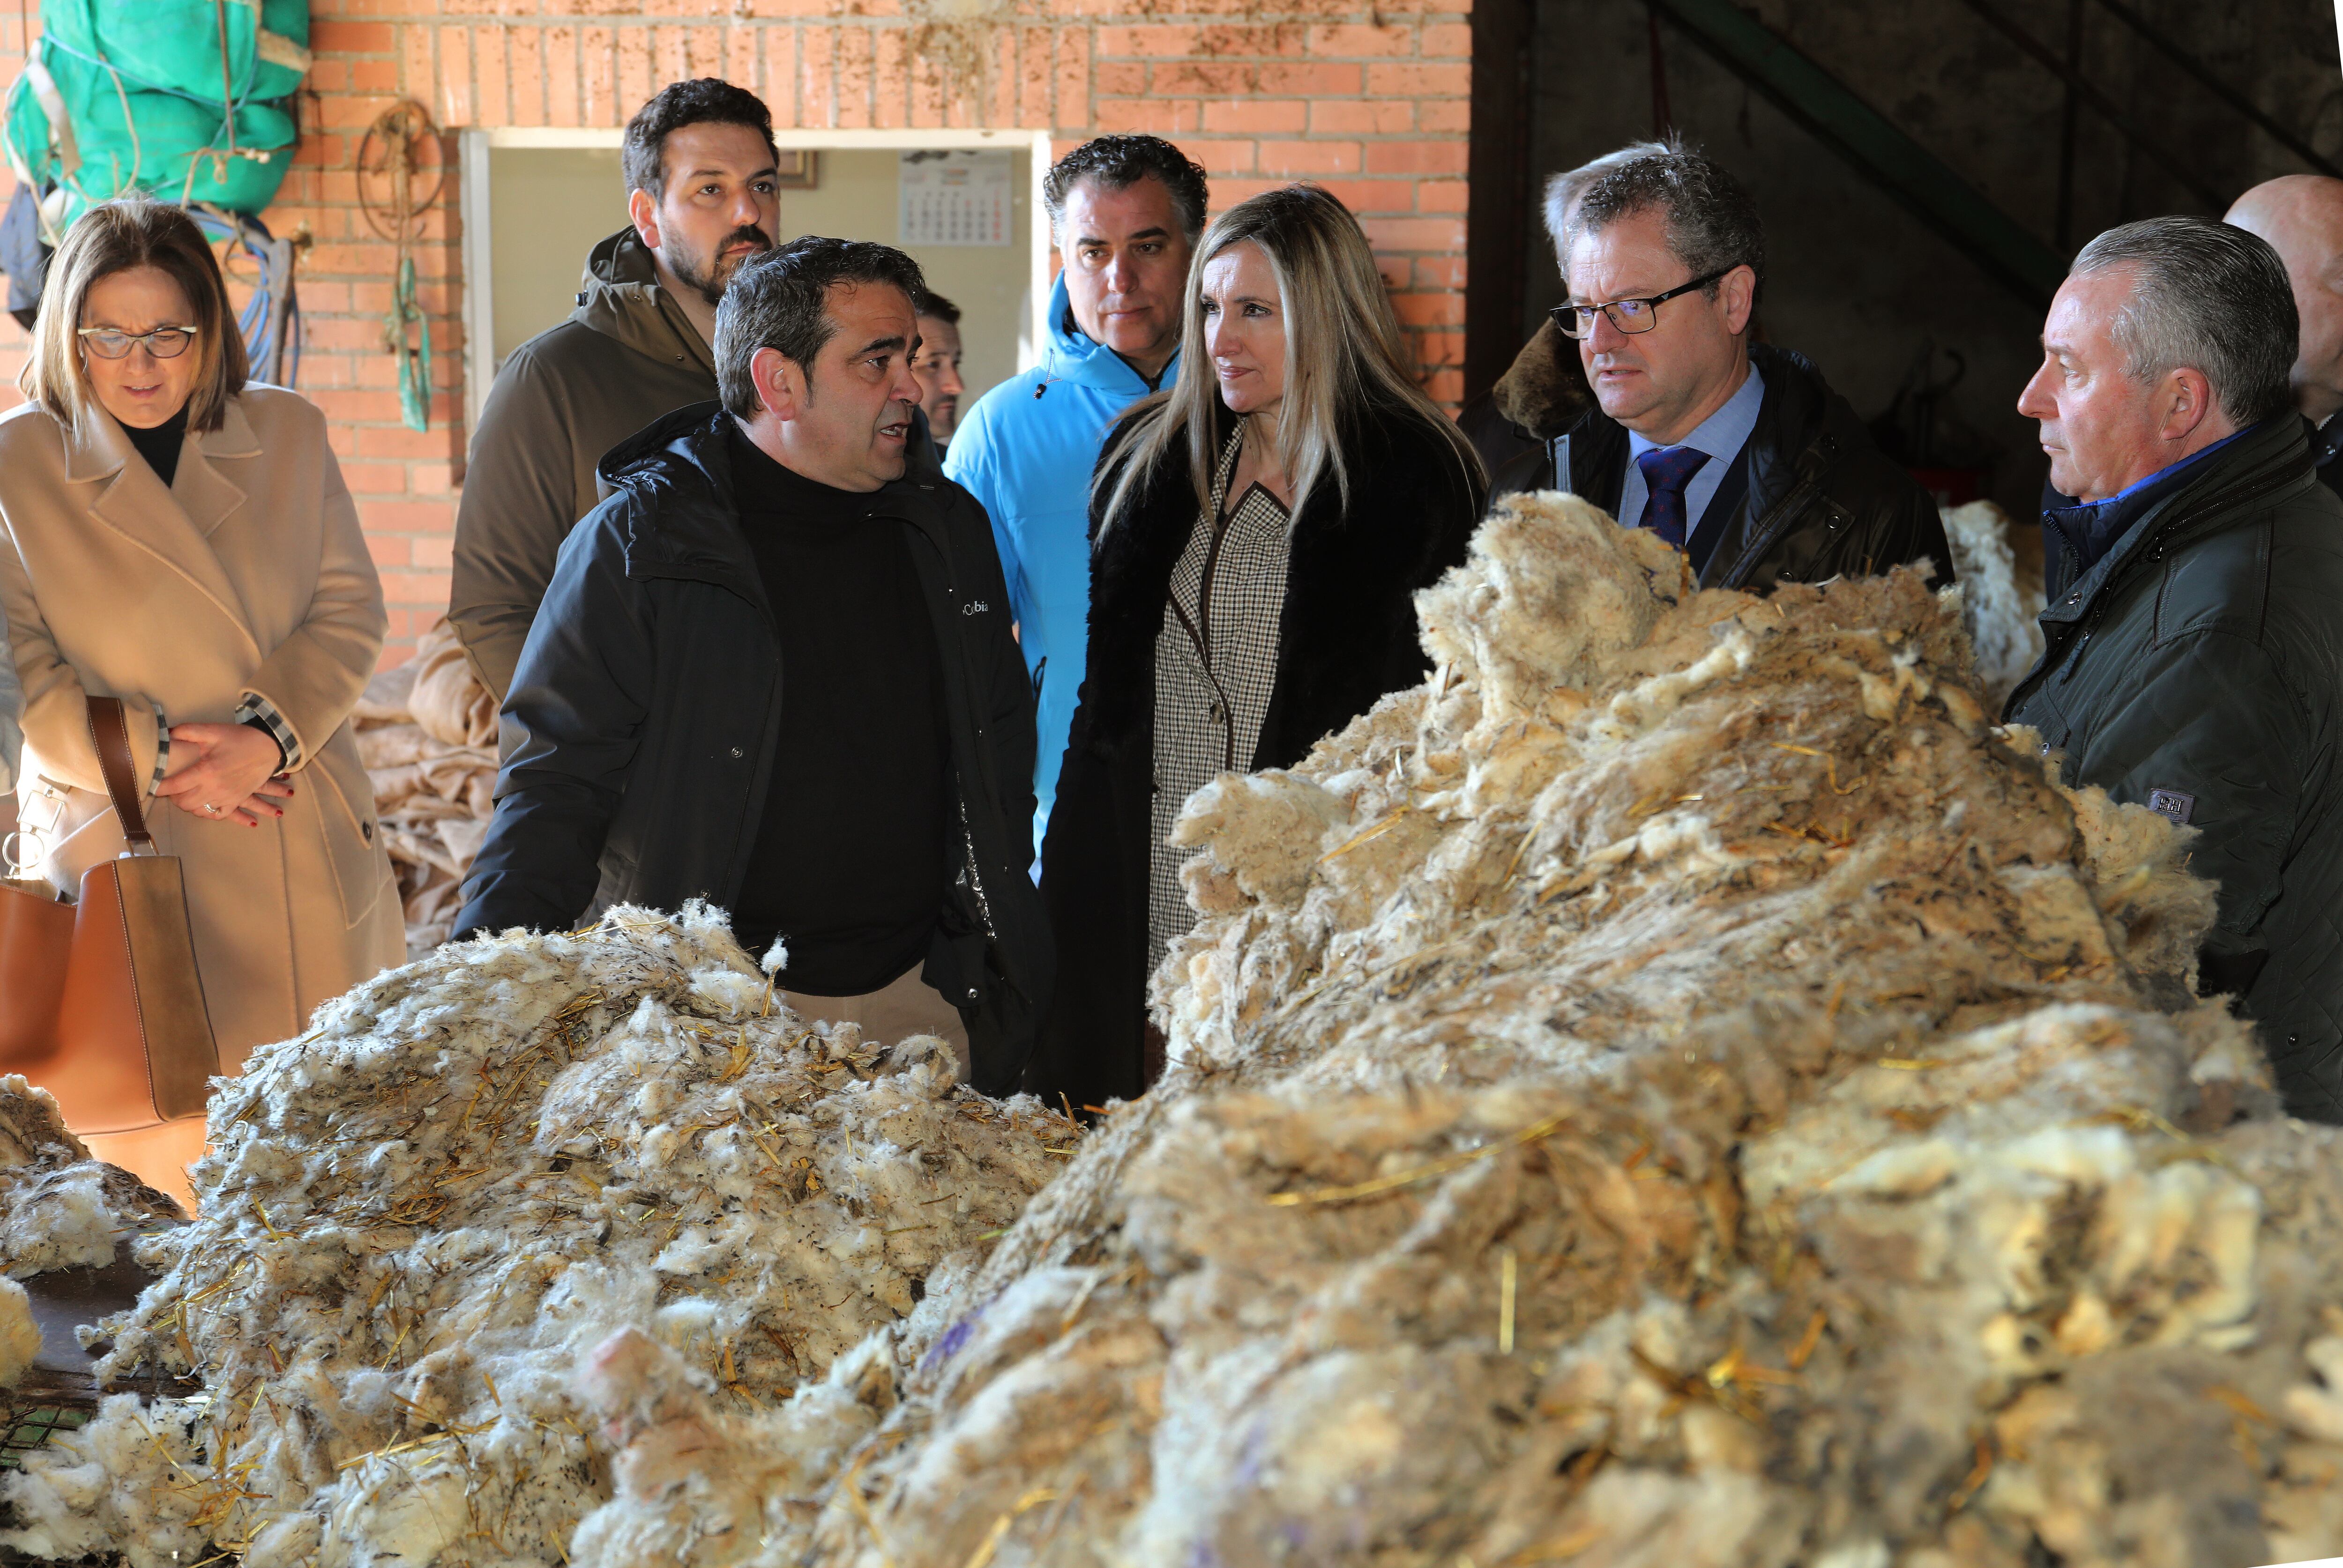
<point>1739,454</point>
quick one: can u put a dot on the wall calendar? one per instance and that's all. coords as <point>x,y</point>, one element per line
<point>954,198</point>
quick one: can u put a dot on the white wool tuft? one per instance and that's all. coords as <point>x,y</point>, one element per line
<point>1998,606</point>
<point>421,1219</point>
<point>20,1336</point>
<point>59,1208</point>
<point>118,1484</point>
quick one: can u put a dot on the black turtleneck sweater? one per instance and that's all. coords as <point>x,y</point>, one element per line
<point>851,863</point>
<point>160,446</point>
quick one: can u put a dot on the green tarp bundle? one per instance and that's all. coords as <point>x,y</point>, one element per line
<point>184,100</point>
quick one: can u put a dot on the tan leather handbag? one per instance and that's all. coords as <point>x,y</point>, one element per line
<point>129,1042</point>
<point>35,939</point>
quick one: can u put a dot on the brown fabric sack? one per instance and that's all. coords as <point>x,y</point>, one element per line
<point>128,1043</point>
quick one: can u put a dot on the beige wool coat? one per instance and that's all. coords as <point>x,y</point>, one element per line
<point>249,574</point>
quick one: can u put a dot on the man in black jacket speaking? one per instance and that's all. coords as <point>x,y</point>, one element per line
<point>774,670</point>
<point>2195,631</point>
<point>1738,453</point>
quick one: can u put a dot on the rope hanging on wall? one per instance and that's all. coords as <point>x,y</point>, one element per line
<point>270,320</point>
<point>401,151</point>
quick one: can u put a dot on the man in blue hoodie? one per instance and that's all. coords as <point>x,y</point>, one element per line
<point>1126,212</point>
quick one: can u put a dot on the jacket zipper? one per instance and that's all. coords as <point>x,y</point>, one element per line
<point>1771,525</point>
<point>968,851</point>
<point>975,879</point>
<point>970,862</point>
<point>976,885</point>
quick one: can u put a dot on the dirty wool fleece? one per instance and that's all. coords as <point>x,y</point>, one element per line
<point>418,1219</point>
<point>59,1207</point>
<point>1677,1087</point>
<point>2000,604</point>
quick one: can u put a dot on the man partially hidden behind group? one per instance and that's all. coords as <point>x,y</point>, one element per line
<point>2302,216</point>
<point>1671,417</point>
<point>936,366</point>
<point>775,671</point>
<point>2195,628</point>
<point>702,198</point>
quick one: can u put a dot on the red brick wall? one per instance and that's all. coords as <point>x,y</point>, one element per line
<point>1373,103</point>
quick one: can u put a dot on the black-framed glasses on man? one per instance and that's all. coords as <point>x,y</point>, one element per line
<point>113,343</point>
<point>1627,315</point>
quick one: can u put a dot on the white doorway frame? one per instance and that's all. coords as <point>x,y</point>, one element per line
<point>475,197</point>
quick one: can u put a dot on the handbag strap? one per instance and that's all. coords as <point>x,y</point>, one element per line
<point>109,732</point>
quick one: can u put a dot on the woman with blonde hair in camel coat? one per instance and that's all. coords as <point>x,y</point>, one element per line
<point>182,540</point>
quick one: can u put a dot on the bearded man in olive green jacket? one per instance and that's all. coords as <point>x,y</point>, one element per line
<point>2195,629</point>
<point>703,195</point>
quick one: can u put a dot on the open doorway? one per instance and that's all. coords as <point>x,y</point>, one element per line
<point>535,201</point>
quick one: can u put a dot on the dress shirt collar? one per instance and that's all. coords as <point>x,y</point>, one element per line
<point>1723,433</point>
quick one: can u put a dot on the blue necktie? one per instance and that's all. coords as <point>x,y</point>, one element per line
<point>1666,471</point>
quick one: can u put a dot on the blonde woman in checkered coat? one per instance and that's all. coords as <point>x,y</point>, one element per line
<point>1258,534</point>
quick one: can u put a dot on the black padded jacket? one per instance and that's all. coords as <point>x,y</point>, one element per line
<point>2197,667</point>
<point>1820,500</point>
<point>644,714</point>
<point>625,356</point>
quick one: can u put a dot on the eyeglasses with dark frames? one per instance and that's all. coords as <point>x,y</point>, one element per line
<point>1629,315</point>
<point>113,343</point>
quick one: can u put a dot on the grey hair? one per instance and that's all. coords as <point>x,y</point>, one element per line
<point>780,300</point>
<point>1563,191</point>
<point>1713,223</point>
<point>2209,298</point>
<point>1118,163</point>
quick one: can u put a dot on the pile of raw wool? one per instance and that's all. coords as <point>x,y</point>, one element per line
<point>420,1217</point>
<point>426,732</point>
<point>59,1207</point>
<point>1676,1088</point>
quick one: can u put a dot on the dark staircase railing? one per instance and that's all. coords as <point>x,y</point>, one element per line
<point>2180,57</point>
<point>2109,110</point>
<point>1916,178</point>
<point>1910,174</point>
